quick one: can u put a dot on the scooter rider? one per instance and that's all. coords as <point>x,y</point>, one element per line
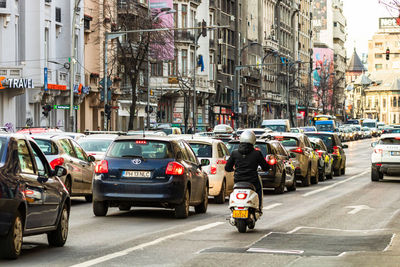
<point>246,161</point>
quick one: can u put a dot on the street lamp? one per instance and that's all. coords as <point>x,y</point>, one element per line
<point>288,67</point>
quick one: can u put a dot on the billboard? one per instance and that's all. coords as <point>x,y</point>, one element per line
<point>323,64</point>
<point>162,47</point>
<point>320,15</point>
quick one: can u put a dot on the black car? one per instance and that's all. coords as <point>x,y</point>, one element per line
<point>281,173</point>
<point>151,172</point>
<point>33,200</point>
<point>335,149</point>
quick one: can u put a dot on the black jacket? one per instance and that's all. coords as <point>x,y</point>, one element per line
<point>246,161</point>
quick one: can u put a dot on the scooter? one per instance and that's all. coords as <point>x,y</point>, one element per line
<point>244,206</point>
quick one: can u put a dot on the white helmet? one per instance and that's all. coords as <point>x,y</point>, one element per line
<point>248,137</point>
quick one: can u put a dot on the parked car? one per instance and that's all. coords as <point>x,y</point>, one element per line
<point>216,155</point>
<point>96,145</point>
<point>64,151</point>
<point>300,147</point>
<point>282,168</point>
<point>276,125</point>
<point>153,171</point>
<point>309,129</point>
<point>335,149</point>
<point>325,159</point>
<point>33,200</point>
<point>385,159</point>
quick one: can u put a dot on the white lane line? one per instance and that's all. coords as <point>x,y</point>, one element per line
<point>265,250</point>
<point>333,185</point>
<point>270,207</point>
<point>336,229</point>
<point>390,243</point>
<point>144,245</point>
<point>356,209</point>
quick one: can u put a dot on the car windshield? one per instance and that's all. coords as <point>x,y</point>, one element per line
<point>287,141</point>
<point>95,145</point>
<point>47,146</point>
<point>2,147</point>
<point>145,149</point>
<point>328,139</point>
<point>258,146</point>
<point>390,141</point>
<point>202,150</point>
<point>277,128</point>
<point>369,124</point>
<point>324,127</point>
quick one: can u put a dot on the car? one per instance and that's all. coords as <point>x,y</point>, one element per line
<point>168,131</point>
<point>96,145</point>
<point>136,132</point>
<point>64,151</point>
<point>385,158</point>
<point>367,132</point>
<point>223,129</point>
<point>299,146</point>
<point>309,129</point>
<point>296,130</point>
<point>277,125</point>
<point>33,200</point>
<point>217,154</point>
<point>325,125</point>
<point>282,170</point>
<point>151,171</point>
<point>325,159</point>
<point>257,131</point>
<point>335,149</point>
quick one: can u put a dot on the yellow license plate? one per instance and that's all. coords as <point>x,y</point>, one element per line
<point>240,214</point>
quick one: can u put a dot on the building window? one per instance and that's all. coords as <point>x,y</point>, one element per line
<point>3,3</point>
<point>335,24</point>
<point>184,16</point>
<point>176,16</point>
<point>376,103</point>
<point>398,102</point>
<point>47,42</point>
<point>58,14</point>
<point>184,62</point>
<point>157,69</point>
<point>173,65</point>
<point>378,66</point>
<point>394,102</point>
<point>378,55</point>
<point>378,44</point>
<point>384,103</point>
<point>87,20</point>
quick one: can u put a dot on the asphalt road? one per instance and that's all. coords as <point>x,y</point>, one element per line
<point>347,221</point>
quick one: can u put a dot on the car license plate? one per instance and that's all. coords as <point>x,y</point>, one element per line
<point>136,174</point>
<point>240,214</point>
<point>395,153</point>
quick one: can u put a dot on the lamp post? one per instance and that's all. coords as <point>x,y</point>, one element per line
<point>288,67</point>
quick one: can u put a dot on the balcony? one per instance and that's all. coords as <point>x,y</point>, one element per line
<point>184,36</point>
<point>338,34</point>
<point>271,44</point>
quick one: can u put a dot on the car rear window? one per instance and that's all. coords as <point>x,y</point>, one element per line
<point>98,145</point>
<point>327,139</point>
<point>277,128</point>
<point>201,150</point>
<point>48,147</point>
<point>287,141</point>
<point>324,127</point>
<point>258,146</point>
<point>390,141</point>
<point>147,149</point>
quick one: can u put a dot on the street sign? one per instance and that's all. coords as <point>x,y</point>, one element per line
<point>109,82</point>
<point>64,107</point>
<point>45,79</point>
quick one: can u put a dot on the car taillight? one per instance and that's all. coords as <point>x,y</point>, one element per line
<point>56,162</point>
<point>213,169</point>
<point>336,151</point>
<point>271,160</point>
<point>101,167</point>
<point>174,168</point>
<point>297,150</point>
<point>320,153</point>
<point>378,151</point>
<point>241,195</point>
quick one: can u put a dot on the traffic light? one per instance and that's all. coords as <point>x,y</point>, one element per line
<point>107,111</point>
<point>387,53</point>
<point>46,109</point>
<point>204,28</point>
<point>233,115</point>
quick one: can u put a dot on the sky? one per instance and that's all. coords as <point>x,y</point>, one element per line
<point>362,22</point>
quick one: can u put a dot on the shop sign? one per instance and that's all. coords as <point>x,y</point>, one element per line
<point>15,83</point>
<point>56,87</point>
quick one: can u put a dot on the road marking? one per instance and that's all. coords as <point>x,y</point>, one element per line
<point>144,245</point>
<point>390,243</point>
<point>335,229</point>
<point>333,185</point>
<point>265,250</point>
<point>270,207</point>
<point>356,209</point>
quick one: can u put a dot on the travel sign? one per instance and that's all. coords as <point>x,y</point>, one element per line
<point>15,83</point>
<point>64,107</point>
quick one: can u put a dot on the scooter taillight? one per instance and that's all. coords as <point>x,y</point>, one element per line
<point>241,195</point>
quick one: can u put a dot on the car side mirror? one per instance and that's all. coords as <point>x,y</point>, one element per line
<point>204,162</point>
<point>91,158</point>
<point>373,144</point>
<point>42,177</point>
<point>345,146</point>
<point>60,171</point>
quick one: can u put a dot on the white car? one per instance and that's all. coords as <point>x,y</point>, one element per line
<point>385,158</point>
<point>215,151</point>
<point>97,144</point>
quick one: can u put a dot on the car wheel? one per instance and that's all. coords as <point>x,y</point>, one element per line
<point>343,171</point>
<point>182,210</point>
<point>337,171</point>
<point>315,178</point>
<point>220,199</point>
<point>307,179</point>
<point>281,187</point>
<point>292,187</point>
<point>322,176</point>
<point>124,207</point>
<point>100,208</point>
<point>58,237</point>
<point>241,225</point>
<point>202,207</point>
<point>11,244</point>
<point>89,198</point>
<point>376,175</point>
<point>330,175</point>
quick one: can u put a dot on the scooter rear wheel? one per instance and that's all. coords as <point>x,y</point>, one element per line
<point>241,226</point>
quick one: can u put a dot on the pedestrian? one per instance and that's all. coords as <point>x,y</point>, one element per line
<point>190,130</point>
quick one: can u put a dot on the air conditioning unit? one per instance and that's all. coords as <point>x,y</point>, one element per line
<point>219,67</point>
<point>220,41</point>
